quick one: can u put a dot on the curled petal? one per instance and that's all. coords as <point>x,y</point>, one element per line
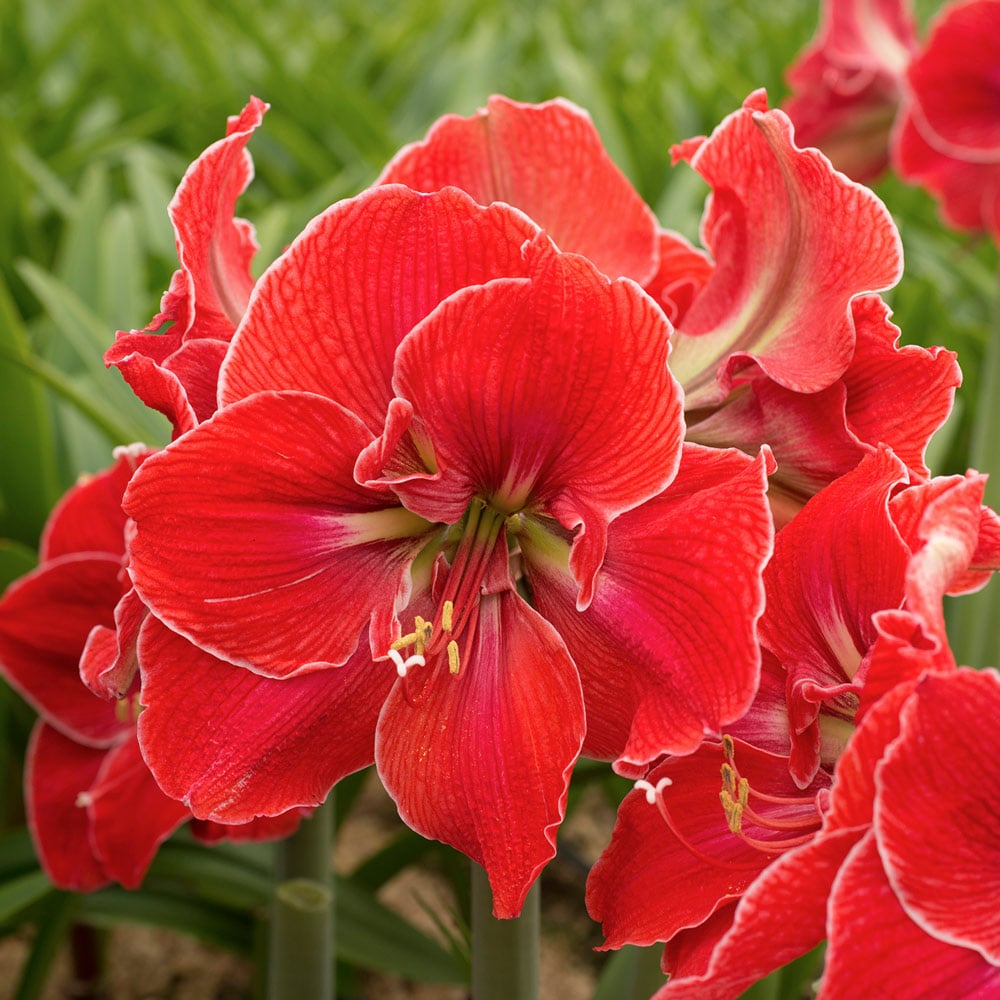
<point>482,759</point>
<point>684,270</point>
<point>548,161</point>
<point>328,315</point>
<point>253,540</point>
<point>935,819</point>
<point>234,745</point>
<point>794,242</point>
<point>876,950</point>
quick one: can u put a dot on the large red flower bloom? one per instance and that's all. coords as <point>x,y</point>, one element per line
<point>429,414</point>
<point>94,811</point>
<point>853,620</point>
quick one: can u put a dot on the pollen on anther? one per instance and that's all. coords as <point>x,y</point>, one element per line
<point>447,614</point>
<point>454,664</point>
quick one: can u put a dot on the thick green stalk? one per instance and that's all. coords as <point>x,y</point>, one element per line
<point>973,618</point>
<point>301,949</point>
<point>505,953</point>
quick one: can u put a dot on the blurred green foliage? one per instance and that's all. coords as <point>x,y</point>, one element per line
<point>103,104</point>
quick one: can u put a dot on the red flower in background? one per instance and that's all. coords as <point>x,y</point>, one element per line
<point>948,134</point>
<point>94,811</point>
<point>427,411</point>
<point>868,94</point>
<point>847,84</point>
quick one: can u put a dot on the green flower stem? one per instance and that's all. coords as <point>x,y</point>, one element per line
<point>505,953</point>
<point>973,617</point>
<point>301,951</point>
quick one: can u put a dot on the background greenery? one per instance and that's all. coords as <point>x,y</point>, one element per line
<point>103,104</point>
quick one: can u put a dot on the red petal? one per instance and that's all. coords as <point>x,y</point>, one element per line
<point>954,82</point>
<point>328,315</point>
<point>684,270</point>
<point>130,817</point>
<point>782,916</point>
<point>547,160</point>
<point>57,771</point>
<point>215,249</point>
<point>482,760</point>
<point>936,816</point>
<point>234,745</point>
<point>897,395</point>
<point>876,950</point>
<point>45,619</point>
<point>839,561</point>
<point>846,85</point>
<point>668,649</point>
<point>263,828</point>
<point>108,662</point>
<point>254,541</point>
<point>550,395</point>
<point>89,516</point>
<point>793,242</point>
<point>969,192</point>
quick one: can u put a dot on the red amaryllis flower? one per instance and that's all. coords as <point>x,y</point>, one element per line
<point>780,835</point>
<point>94,811</point>
<point>771,339</point>
<point>948,135</point>
<point>175,370</point>
<point>428,415</point>
<point>847,84</point>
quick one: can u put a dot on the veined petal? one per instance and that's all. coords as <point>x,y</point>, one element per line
<point>954,85</point>
<point>45,619</point>
<point>108,662</point>
<point>876,950</point>
<point>57,771</point>
<point>234,745</point>
<point>838,562</point>
<point>793,243</point>
<point>781,916</point>
<point>482,759</point>
<point>548,161</point>
<point>215,249</point>
<point>546,396</point>
<point>935,813</point>
<point>254,541</point>
<point>89,517</point>
<point>328,315</point>
<point>684,271</point>
<point>667,651</point>
<point>129,815</point>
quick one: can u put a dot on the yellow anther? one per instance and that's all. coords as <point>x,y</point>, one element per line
<point>728,748</point>
<point>446,615</point>
<point>744,793</point>
<point>403,641</point>
<point>454,665</point>
<point>729,779</point>
<point>418,638</point>
<point>123,710</point>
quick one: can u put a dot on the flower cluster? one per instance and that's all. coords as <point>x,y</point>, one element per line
<point>489,470</point>
<point>869,94</point>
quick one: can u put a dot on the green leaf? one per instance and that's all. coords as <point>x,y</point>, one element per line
<point>630,974</point>
<point>375,937</point>
<point>15,560</point>
<point>19,893</point>
<point>53,921</point>
<point>29,483</point>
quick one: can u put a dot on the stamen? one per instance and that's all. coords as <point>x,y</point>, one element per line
<point>454,663</point>
<point>652,791</point>
<point>402,666</point>
<point>447,612</point>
